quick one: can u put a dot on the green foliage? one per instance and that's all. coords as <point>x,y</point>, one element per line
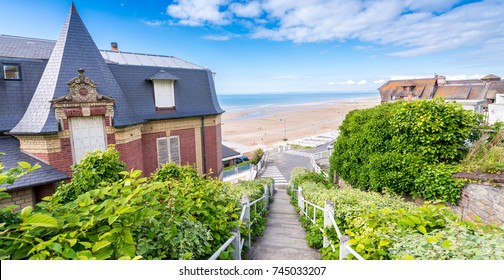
<point>8,218</point>
<point>487,154</point>
<point>254,190</point>
<point>96,169</point>
<point>302,177</point>
<point>257,156</point>
<point>385,227</point>
<point>388,147</point>
<point>175,214</point>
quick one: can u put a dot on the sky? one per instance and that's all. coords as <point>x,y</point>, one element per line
<point>265,46</point>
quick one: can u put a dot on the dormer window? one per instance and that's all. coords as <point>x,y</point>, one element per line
<point>164,95</point>
<point>11,72</point>
<point>164,90</point>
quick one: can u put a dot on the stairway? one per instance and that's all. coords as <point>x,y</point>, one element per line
<point>284,238</point>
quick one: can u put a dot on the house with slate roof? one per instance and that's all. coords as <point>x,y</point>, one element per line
<point>64,98</point>
<point>474,94</point>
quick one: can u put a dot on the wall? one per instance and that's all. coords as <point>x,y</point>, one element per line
<point>22,198</point>
<point>495,113</point>
<point>482,200</point>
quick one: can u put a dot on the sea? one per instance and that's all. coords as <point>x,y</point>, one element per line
<point>234,102</point>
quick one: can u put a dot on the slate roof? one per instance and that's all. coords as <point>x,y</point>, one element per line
<point>24,47</point>
<point>21,47</point>
<point>228,153</point>
<point>163,75</point>
<point>26,108</point>
<point>74,49</point>
<point>46,174</point>
<point>194,94</point>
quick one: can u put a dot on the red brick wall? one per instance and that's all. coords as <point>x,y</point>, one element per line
<point>131,154</point>
<point>149,150</point>
<point>187,145</point>
<point>213,149</point>
<point>62,161</point>
<point>43,191</point>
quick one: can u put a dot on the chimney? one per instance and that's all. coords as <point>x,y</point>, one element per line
<point>114,46</point>
<point>441,80</point>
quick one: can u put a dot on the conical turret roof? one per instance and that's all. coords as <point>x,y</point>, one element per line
<point>75,49</point>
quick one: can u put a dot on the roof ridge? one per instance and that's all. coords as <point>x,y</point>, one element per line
<point>30,38</point>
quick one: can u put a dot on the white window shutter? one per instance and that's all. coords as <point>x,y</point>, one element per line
<point>164,94</point>
<point>175,149</point>
<point>162,151</point>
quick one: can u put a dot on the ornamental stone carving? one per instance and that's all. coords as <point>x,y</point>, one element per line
<point>82,89</point>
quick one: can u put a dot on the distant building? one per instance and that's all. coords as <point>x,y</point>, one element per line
<point>229,156</point>
<point>61,99</point>
<point>471,94</point>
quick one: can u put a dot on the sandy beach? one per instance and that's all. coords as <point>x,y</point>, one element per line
<point>270,125</point>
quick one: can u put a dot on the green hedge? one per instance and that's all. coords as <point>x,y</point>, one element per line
<point>173,214</point>
<point>386,227</point>
<point>394,147</point>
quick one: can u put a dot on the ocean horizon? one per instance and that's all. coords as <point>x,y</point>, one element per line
<point>235,102</point>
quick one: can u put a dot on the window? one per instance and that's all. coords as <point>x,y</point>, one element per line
<point>164,94</point>
<point>87,134</point>
<point>11,72</point>
<point>168,150</point>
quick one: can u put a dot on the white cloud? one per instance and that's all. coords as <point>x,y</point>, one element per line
<point>362,82</point>
<point>154,23</point>
<point>198,12</point>
<point>249,10</point>
<point>219,37</point>
<point>415,27</point>
<point>380,81</point>
<point>349,82</point>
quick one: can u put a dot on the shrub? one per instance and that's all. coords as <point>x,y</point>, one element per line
<point>96,169</point>
<point>386,227</point>
<point>390,146</point>
<point>176,214</point>
<point>257,156</point>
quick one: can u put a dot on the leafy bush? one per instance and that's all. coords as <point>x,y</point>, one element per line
<point>257,156</point>
<point>388,147</point>
<point>386,227</point>
<point>96,169</point>
<point>175,214</point>
<point>254,190</point>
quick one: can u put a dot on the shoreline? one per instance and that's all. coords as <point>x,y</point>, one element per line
<point>249,128</point>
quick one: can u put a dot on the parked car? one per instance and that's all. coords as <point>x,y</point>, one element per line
<point>330,146</point>
<point>242,159</point>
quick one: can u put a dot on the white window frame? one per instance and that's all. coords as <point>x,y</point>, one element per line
<point>18,71</point>
<point>164,93</point>
<point>73,140</point>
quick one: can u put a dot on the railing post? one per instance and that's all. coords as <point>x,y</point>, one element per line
<point>343,252</point>
<point>266,199</point>
<point>328,210</point>
<point>300,199</point>
<point>236,245</point>
<point>246,217</point>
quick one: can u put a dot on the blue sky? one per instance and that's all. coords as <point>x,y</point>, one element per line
<point>289,45</point>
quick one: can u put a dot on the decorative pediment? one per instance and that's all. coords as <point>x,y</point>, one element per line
<point>82,89</point>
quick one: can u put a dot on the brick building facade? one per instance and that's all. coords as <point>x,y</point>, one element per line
<point>66,97</point>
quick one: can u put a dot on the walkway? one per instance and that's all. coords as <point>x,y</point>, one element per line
<point>283,237</point>
<point>273,172</point>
